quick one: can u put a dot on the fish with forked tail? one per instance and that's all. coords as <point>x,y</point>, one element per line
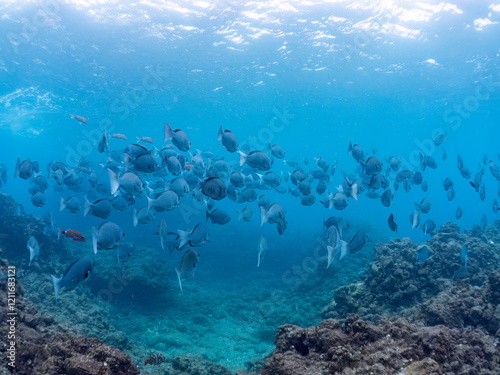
<point>74,234</point>
<point>77,272</point>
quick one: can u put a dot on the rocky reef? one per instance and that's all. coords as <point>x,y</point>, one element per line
<point>395,282</point>
<point>44,347</point>
<point>393,346</point>
<point>451,324</point>
<point>465,305</point>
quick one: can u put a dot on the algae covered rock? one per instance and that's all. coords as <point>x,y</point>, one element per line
<point>44,347</point>
<point>395,281</point>
<point>143,275</point>
<point>392,346</point>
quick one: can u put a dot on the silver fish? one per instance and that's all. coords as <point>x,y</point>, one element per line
<point>218,216</point>
<point>76,273</point>
<point>166,201</point>
<point>129,182</point>
<point>392,223</point>
<point>196,237</point>
<point>228,139</point>
<point>245,214</point>
<point>178,137</point>
<point>100,208</point>
<point>257,160</point>
<point>143,216</point>
<point>274,214</point>
<point>123,252</point>
<point>188,264</point>
<point>108,236</point>
<point>261,251</point>
<point>415,219</point>
<point>33,248</point>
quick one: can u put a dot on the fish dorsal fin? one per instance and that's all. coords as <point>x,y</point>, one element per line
<point>102,225</point>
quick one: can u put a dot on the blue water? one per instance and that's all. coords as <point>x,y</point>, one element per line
<point>309,77</point>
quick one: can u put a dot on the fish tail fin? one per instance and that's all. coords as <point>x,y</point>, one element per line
<point>349,150</point>
<point>263,216</point>
<point>220,133</point>
<point>243,157</point>
<point>126,161</point>
<point>258,260</point>
<point>18,166</point>
<point>422,161</point>
<point>207,215</point>
<point>154,151</point>
<point>31,250</point>
<point>179,278</point>
<point>260,178</point>
<point>163,161</point>
<point>138,139</point>
<point>94,240</point>
<point>330,255</point>
<point>171,249</point>
<point>344,249</point>
<point>135,218</point>
<point>330,201</point>
<point>87,208</point>
<point>184,237</point>
<point>167,132</point>
<point>354,191</point>
<point>150,203</point>
<point>57,285</point>
<point>114,184</point>
<point>417,206</point>
<point>240,215</point>
<point>62,204</point>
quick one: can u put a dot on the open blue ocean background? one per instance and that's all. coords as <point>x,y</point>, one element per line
<point>309,76</point>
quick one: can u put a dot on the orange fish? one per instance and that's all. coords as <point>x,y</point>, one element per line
<point>75,235</point>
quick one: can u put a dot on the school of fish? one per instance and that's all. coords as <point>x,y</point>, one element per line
<point>167,175</point>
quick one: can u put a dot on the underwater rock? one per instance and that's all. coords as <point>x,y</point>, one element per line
<point>43,347</point>
<point>129,278</point>
<point>392,346</point>
<point>394,281</point>
<point>16,228</point>
<point>192,364</point>
<point>465,306</point>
